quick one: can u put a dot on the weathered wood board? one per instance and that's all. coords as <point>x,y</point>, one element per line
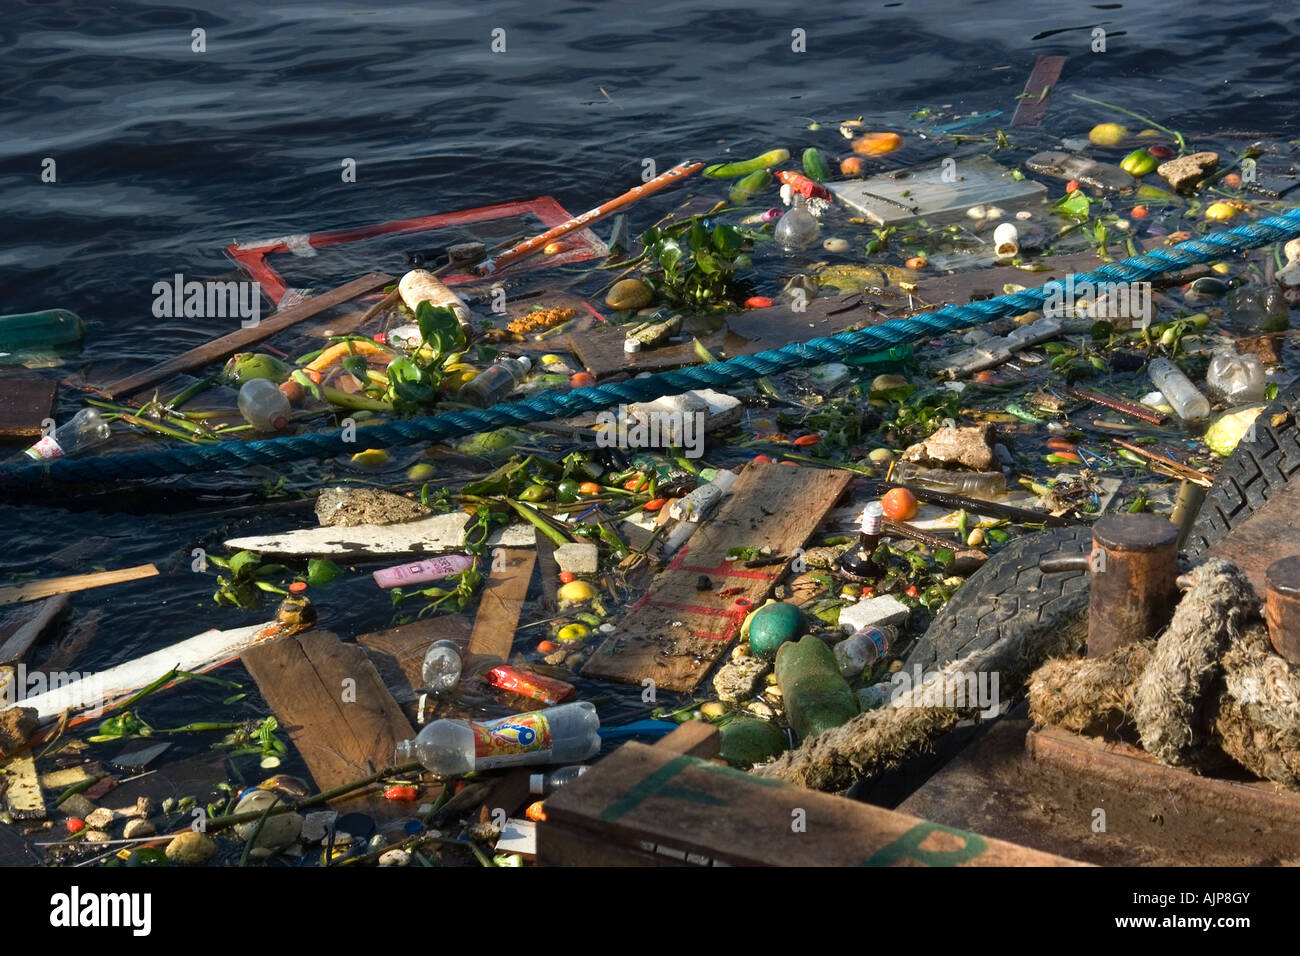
<point>1268,535</point>
<point>25,402</point>
<point>437,534</point>
<point>1038,88</point>
<point>500,605</point>
<point>24,628</point>
<point>227,345</point>
<point>675,632</point>
<point>23,794</point>
<point>35,590</point>
<point>600,347</point>
<point>647,799</point>
<point>329,698</point>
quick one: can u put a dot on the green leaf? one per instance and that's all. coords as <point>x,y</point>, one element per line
<point>1075,205</point>
<point>321,571</point>
<point>669,253</point>
<point>242,560</point>
<point>944,556</point>
<point>438,320</point>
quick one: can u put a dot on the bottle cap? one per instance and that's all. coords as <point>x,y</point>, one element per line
<point>536,783</point>
<point>873,516</point>
<point>526,362</point>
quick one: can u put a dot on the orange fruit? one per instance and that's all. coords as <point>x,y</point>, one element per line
<point>877,144</point>
<point>851,165</point>
<point>581,379</point>
<point>899,504</point>
<point>589,488</point>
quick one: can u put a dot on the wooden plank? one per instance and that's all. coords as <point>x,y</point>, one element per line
<point>559,845</point>
<point>398,652</point>
<point>35,590</point>
<point>1030,110</point>
<point>1271,533</point>
<point>19,634</point>
<point>329,698</point>
<point>23,794</point>
<point>77,638</point>
<point>499,607</point>
<point>695,738</point>
<point>25,402</point>
<point>675,801</point>
<point>438,534</point>
<point>675,633</point>
<point>600,347</point>
<point>227,345</point>
<point>1137,772</point>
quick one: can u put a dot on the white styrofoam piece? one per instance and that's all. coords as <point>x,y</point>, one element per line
<point>577,558</point>
<point>880,611</point>
<point>438,534</point>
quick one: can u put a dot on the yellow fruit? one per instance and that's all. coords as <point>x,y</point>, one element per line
<point>1220,211</point>
<point>1222,268</point>
<point>577,591</point>
<point>713,709</point>
<point>191,847</point>
<point>573,632</point>
<point>370,458</point>
<point>1107,134</point>
<point>550,358</point>
<point>420,472</point>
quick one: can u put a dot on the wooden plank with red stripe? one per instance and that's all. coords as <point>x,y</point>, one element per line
<point>676,632</point>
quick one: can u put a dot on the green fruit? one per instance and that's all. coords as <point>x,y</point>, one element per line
<point>488,443</point>
<point>537,493</point>
<point>743,191</point>
<point>629,294</point>
<point>566,491</point>
<point>1138,163</point>
<point>774,624</point>
<point>747,741</point>
<point>250,365</point>
<point>733,170</point>
<point>814,167</point>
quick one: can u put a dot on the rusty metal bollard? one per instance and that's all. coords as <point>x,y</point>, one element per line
<point>1134,566</point>
<point>1282,607</point>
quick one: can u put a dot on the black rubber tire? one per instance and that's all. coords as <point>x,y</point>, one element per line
<point>1009,596</point>
<point>1252,473</point>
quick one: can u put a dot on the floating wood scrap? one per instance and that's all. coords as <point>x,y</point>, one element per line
<point>35,590</point>
<point>25,402</point>
<point>675,632</point>
<point>22,790</point>
<point>25,628</point>
<point>500,606</point>
<point>655,806</point>
<point>1033,102</point>
<point>227,345</point>
<point>438,534</point>
<point>329,698</point>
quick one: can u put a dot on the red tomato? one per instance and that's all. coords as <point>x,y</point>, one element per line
<point>298,587</point>
<point>655,504</point>
<point>758,302</point>
<point>634,483</point>
<point>1071,186</point>
<point>589,488</point>
<point>912,590</point>
<point>1160,152</point>
<point>899,504</point>
<point>1232,179</point>
<point>805,440</point>
<point>401,792</point>
<point>762,458</point>
<point>1060,444</point>
<point>75,824</point>
<point>1138,212</point>
<point>581,379</point>
<point>547,647</point>
<point>851,166</point>
<point>567,576</point>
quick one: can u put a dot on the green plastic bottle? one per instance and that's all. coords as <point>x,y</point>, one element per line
<point>816,695</point>
<point>33,331</point>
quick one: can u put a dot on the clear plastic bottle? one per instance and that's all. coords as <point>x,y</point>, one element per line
<point>451,748</point>
<point>84,430</point>
<point>862,649</point>
<point>798,228</point>
<point>442,665</point>
<point>972,484</point>
<point>544,784</point>
<point>495,382</point>
<point>1184,398</point>
<point>263,405</point>
<point>1235,379</point>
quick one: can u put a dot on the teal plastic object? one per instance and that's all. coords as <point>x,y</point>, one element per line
<point>894,355</point>
<point>33,331</point>
<point>774,624</point>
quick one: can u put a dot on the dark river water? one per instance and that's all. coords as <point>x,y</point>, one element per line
<point>164,155</point>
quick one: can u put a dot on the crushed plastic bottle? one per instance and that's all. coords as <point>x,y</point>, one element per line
<point>862,649</point>
<point>544,784</point>
<point>1184,398</point>
<point>798,228</point>
<point>453,748</point>
<point>1235,379</point>
<point>442,666</point>
<point>263,405</point>
<point>972,484</point>
<point>84,430</point>
<point>495,382</point>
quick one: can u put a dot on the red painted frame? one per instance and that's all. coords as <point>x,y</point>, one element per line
<point>583,244</point>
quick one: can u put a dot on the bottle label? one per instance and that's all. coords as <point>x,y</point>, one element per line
<point>45,449</point>
<point>877,637</point>
<point>510,741</point>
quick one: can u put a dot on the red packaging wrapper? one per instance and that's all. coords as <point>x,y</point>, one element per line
<point>546,689</point>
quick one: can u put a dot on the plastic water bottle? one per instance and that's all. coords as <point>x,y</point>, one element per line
<point>544,784</point>
<point>1183,397</point>
<point>441,668</point>
<point>263,405</point>
<point>862,649</point>
<point>972,484</point>
<point>451,748</point>
<point>83,430</point>
<point>1235,379</point>
<point>798,228</point>
<point>495,382</point>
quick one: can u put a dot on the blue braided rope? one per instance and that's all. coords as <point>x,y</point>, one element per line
<point>551,404</point>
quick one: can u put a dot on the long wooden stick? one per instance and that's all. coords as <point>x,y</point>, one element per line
<point>34,590</point>
<point>529,246</point>
<point>1178,469</point>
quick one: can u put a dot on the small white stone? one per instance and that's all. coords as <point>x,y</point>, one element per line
<point>100,819</point>
<point>96,836</point>
<point>836,244</point>
<point>138,828</point>
<point>395,857</point>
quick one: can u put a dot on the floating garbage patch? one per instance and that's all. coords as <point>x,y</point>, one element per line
<point>769,473</point>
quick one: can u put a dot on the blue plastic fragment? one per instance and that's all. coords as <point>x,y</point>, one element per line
<point>639,728</point>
